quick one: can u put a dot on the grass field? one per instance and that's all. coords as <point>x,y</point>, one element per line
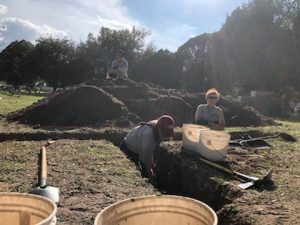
<point>10,103</point>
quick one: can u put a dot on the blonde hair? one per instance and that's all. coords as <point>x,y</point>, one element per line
<point>212,91</point>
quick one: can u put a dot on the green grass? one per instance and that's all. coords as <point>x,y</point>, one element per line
<point>11,103</point>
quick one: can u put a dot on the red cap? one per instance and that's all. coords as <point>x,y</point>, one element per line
<point>165,124</point>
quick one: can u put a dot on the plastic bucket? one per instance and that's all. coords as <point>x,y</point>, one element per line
<point>26,209</point>
<point>190,136</point>
<point>213,145</point>
<point>157,210</point>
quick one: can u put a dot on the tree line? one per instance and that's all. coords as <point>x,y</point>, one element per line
<point>60,62</point>
<point>258,47</point>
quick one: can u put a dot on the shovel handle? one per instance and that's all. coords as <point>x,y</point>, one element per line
<point>43,167</point>
<point>217,166</point>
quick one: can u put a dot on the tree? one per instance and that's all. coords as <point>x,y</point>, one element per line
<point>157,69</point>
<point>54,58</point>
<point>17,65</point>
<point>194,63</point>
<point>99,51</point>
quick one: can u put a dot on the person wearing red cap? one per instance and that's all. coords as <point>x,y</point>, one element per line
<point>141,141</point>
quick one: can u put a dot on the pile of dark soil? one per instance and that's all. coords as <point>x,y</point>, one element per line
<point>180,110</point>
<point>77,106</point>
<point>149,101</point>
<point>239,114</point>
<point>125,102</point>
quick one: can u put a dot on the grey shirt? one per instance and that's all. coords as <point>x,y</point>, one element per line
<point>141,141</point>
<point>207,114</point>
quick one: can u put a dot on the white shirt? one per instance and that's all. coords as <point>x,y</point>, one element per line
<point>121,65</point>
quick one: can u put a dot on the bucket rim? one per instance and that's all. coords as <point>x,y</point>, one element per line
<point>194,125</point>
<point>225,135</point>
<point>213,213</point>
<point>28,195</point>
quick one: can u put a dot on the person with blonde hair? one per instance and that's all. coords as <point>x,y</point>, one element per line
<point>209,114</point>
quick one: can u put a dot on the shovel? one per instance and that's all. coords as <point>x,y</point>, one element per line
<point>43,189</point>
<point>251,181</point>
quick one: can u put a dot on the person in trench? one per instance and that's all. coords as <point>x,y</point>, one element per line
<point>140,143</point>
<point>209,114</point>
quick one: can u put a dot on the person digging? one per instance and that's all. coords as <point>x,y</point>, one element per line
<point>140,143</point>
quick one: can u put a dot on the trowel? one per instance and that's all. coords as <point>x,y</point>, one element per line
<point>43,189</point>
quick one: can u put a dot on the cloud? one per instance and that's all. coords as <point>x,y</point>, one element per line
<point>18,29</point>
<point>113,24</point>
<point>3,9</point>
<point>74,18</point>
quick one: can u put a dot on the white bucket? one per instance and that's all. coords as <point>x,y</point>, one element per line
<point>190,135</point>
<point>156,210</point>
<point>26,209</point>
<point>213,145</point>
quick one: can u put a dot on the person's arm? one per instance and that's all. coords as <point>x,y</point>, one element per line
<point>146,154</point>
<point>221,122</point>
<point>198,114</point>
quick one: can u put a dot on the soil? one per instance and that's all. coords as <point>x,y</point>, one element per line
<point>79,105</point>
<point>90,175</point>
<point>126,103</point>
<point>187,175</point>
<point>93,174</point>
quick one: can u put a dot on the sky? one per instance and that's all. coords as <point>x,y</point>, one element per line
<point>170,22</point>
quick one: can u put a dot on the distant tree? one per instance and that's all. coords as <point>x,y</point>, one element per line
<point>54,59</point>
<point>99,51</point>
<point>194,65</point>
<point>17,66</point>
<point>157,69</point>
<point>89,54</point>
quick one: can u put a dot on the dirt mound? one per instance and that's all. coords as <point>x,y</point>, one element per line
<point>236,114</point>
<point>123,102</point>
<point>150,101</point>
<point>239,114</point>
<point>146,101</point>
<point>180,110</point>
<point>80,105</point>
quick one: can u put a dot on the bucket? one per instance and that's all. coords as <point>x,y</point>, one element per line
<point>157,210</point>
<point>26,209</point>
<point>190,135</point>
<point>213,145</point>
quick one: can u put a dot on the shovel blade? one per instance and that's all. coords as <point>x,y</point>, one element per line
<point>246,185</point>
<point>49,192</point>
<point>256,181</point>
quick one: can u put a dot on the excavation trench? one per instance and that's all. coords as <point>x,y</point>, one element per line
<point>182,174</point>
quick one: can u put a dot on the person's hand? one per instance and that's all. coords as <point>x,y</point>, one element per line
<point>151,174</point>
